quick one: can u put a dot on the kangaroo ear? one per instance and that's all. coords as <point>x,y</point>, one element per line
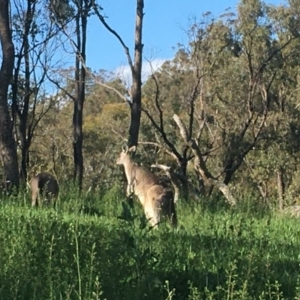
<point>132,149</point>
<point>125,149</point>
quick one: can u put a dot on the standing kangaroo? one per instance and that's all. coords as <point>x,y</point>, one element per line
<point>156,200</point>
<point>43,187</point>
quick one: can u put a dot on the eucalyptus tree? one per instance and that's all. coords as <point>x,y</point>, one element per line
<point>274,165</point>
<point>76,12</point>
<point>104,119</point>
<point>8,152</point>
<point>35,38</point>
<point>52,142</point>
<point>223,89</point>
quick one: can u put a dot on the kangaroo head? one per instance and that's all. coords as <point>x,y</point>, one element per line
<point>124,156</point>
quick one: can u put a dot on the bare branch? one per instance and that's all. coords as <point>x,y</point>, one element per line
<point>118,134</point>
<point>157,105</point>
<point>200,165</point>
<point>82,61</point>
<point>265,63</point>
<point>162,148</point>
<point>126,49</point>
<point>182,128</point>
<point>163,135</point>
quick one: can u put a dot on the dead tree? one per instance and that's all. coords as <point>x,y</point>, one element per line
<point>200,165</point>
<point>136,70</point>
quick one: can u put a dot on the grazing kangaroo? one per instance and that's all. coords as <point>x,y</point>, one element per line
<point>156,200</point>
<point>43,187</point>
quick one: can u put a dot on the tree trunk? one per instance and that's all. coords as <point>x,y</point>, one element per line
<point>8,150</point>
<point>24,163</point>
<point>80,77</point>
<point>136,89</point>
<point>77,143</point>
<point>23,116</point>
<point>136,70</point>
<point>280,188</point>
<point>263,189</point>
<point>183,179</point>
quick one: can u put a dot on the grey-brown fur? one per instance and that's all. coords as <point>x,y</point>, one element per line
<point>44,189</point>
<point>156,200</point>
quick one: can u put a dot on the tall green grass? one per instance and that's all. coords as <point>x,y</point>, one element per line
<point>99,247</point>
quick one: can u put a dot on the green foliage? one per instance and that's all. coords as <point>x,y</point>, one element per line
<point>235,89</point>
<point>235,85</point>
<point>71,253</point>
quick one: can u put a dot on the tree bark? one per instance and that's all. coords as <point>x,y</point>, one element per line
<point>280,187</point>
<point>80,77</point>
<point>136,89</point>
<point>7,144</point>
<point>23,115</point>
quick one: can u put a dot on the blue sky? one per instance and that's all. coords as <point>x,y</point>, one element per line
<point>164,24</point>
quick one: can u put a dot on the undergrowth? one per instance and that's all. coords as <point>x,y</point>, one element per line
<point>100,247</point>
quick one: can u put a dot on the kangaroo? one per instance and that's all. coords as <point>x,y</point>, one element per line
<point>156,200</point>
<point>45,186</point>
